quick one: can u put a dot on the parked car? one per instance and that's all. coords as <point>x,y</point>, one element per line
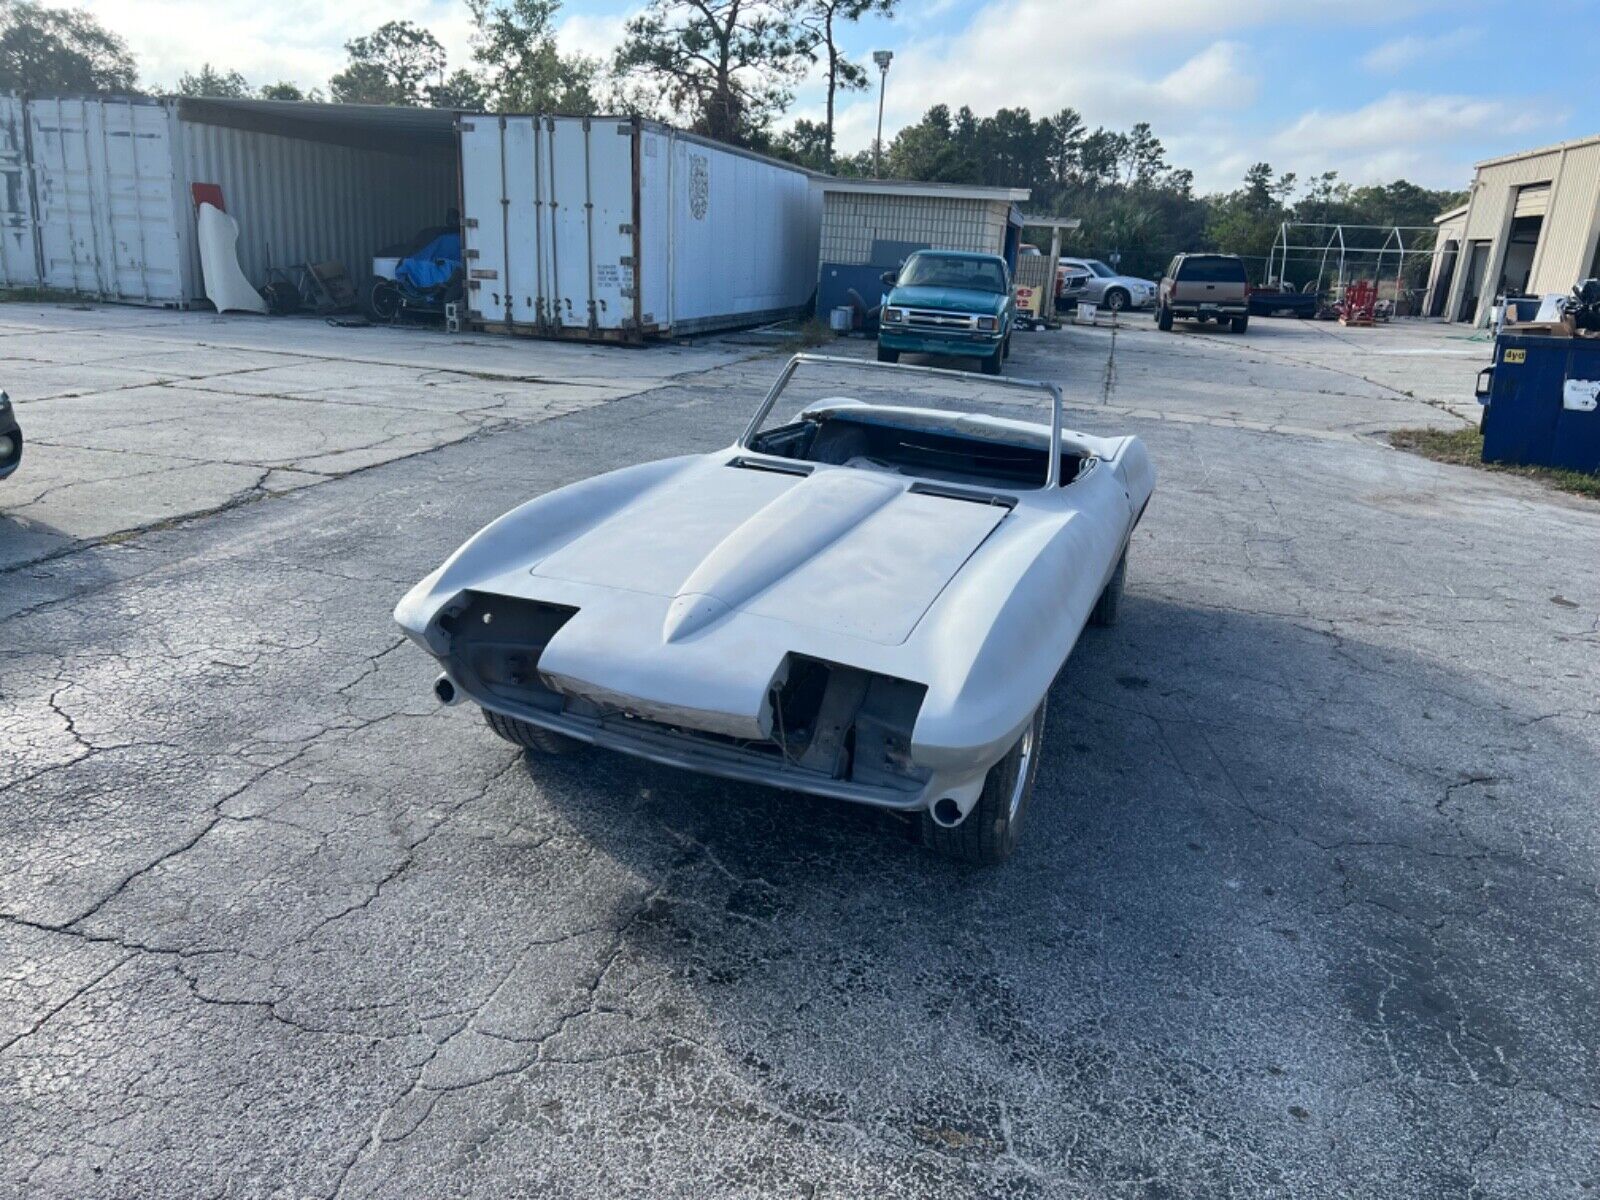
<point>10,437</point>
<point>1072,285</point>
<point>1204,287</point>
<point>949,303</point>
<point>860,600</point>
<point>1110,290</point>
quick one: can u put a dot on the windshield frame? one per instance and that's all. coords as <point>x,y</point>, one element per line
<point>1099,269</point>
<point>1057,438</point>
<point>994,261</point>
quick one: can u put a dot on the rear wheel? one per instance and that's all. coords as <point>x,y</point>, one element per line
<point>1109,604</point>
<point>530,737</point>
<point>1240,324</point>
<point>989,834</point>
<point>1164,319</point>
<point>888,356</point>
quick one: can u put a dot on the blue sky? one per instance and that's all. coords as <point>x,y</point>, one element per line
<point>1374,89</point>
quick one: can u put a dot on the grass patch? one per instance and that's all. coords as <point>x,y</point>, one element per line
<point>810,334</point>
<point>1464,447</point>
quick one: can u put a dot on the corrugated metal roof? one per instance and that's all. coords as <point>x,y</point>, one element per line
<point>1452,215</point>
<point>1555,149</point>
<point>912,187</point>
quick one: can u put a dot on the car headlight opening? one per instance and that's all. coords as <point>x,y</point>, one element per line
<point>988,324</point>
<point>893,316</point>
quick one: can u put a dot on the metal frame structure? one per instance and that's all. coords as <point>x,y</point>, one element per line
<point>1394,242</point>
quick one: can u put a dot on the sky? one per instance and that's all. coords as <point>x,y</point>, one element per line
<point>1373,89</point>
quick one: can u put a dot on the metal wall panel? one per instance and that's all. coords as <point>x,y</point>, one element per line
<point>103,195</point>
<point>500,210</point>
<point>298,200</point>
<point>19,256</point>
<point>1572,224</point>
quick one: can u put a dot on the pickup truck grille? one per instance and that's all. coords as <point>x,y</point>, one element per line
<point>925,318</point>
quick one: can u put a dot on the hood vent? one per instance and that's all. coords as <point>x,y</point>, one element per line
<point>776,467</point>
<point>947,491</point>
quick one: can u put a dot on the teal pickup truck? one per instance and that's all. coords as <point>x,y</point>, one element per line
<point>950,303</point>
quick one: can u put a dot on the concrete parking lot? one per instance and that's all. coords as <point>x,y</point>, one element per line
<point>1306,907</point>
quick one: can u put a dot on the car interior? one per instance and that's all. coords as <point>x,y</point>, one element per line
<point>902,442</point>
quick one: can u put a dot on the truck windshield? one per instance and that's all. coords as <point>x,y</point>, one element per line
<point>1211,270</point>
<point>934,270</point>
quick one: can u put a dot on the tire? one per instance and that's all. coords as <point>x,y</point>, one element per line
<point>530,737</point>
<point>1109,605</point>
<point>989,834</point>
<point>1116,299</point>
<point>991,365</point>
<point>1164,319</point>
<point>1005,347</point>
<point>380,299</point>
<point>1240,324</point>
<point>888,356</point>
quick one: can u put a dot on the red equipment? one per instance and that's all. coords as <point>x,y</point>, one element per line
<point>1359,303</point>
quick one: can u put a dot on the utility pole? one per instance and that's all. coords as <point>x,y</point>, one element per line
<point>883,58</point>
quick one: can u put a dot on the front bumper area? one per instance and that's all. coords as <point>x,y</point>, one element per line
<point>955,345</point>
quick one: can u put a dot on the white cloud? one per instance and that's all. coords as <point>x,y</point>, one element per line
<point>594,36</point>
<point>1395,55</point>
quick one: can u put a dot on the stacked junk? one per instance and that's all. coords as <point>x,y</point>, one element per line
<point>594,228</point>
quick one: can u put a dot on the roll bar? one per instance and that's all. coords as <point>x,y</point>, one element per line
<point>1057,438</point>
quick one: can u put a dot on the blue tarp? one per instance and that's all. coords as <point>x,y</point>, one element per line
<point>433,265</point>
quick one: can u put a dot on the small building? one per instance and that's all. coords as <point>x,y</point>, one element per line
<point>1529,228</point>
<point>870,226</point>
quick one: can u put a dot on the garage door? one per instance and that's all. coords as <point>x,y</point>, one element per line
<point>1533,201</point>
<point>19,259</point>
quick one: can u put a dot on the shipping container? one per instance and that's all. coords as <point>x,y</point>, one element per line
<point>96,193</point>
<point>619,228</point>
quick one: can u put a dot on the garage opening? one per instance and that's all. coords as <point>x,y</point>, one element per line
<point>1527,223</point>
<point>1472,292</point>
<point>1447,276</point>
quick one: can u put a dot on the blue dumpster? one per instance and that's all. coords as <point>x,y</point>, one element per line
<point>1543,398</point>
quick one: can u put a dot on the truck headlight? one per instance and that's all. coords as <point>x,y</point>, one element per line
<point>893,316</point>
<point>988,324</point>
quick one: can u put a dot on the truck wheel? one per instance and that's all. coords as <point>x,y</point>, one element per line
<point>1105,610</point>
<point>989,834</point>
<point>1005,347</point>
<point>1116,300</point>
<point>530,737</point>
<point>991,365</point>
<point>1240,324</point>
<point>888,356</point>
<point>1164,319</point>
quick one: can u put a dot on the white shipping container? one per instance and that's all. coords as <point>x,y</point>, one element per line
<point>95,193</point>
<point>623,228</point>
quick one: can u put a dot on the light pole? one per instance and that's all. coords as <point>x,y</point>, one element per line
<point>883,58</point>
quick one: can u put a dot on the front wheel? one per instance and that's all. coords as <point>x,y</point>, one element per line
<point>1164,319</point>
<point>888,356</point>
<point>991,365</point>
<point>1005,347</point>
<point>989,834</point>
<point>1116,300</point>
<point>530,737</point>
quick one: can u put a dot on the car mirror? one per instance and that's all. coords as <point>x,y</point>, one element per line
<point>888,277</point>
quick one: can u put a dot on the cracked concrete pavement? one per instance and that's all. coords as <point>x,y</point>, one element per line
<point>1307,905</point>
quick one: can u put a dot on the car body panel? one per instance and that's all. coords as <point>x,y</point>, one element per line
<point>976,598</point>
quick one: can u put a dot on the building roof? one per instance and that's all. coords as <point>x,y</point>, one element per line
<point>911,187</point>
<point>1452,215</point>
<point>1555,149</point>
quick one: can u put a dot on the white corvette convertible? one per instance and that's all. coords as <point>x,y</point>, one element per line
<point>866,600</point>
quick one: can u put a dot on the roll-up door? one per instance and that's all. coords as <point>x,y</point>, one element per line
<point>1533,200</point>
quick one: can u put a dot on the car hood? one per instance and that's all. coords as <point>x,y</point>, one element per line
<point>947,299</point>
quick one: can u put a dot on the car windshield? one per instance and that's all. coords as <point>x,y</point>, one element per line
<point>1100,269</point>
<point>938,270</point>
<point>914,422</point>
